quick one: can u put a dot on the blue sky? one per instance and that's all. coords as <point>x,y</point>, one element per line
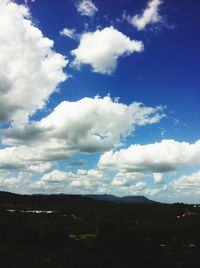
<point>99,97</point>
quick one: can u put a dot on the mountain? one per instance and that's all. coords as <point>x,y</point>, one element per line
<point>56,199</point>
<point>104,197</point>
<point>125,199</point>
<point>137,199</point>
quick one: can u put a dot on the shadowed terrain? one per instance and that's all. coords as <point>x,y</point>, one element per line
<point>86,231</point>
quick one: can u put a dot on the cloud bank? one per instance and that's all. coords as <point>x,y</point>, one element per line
<point>92,181</point>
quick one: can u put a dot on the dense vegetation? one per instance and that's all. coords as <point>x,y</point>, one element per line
<point>75,231</point>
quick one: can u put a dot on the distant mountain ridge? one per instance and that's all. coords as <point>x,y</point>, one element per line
<point>125,199</point>
<point>8,197</point>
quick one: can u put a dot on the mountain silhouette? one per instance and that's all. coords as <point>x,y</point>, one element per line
<point>7,197</point>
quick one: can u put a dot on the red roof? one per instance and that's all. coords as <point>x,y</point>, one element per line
<point>190,213</point>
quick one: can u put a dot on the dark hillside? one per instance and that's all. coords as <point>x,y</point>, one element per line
<point>78,231</point>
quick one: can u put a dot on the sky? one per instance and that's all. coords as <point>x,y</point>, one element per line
<point>100,97</point>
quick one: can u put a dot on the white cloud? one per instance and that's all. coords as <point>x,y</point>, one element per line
<point>153,191</point>
<point>189,183</point>
<point>27,1</point>
<point>55,176</point>
<point>102,48</point>
<point>88,125</point>
<point>30,70</point>
<point>71,33</point>
<point>91,181</point>
<point>158,177</point>
<point>86,8</point>
<point>23,158</point>
<point>150,15</point>
<point>83,181</point>
<point>161,157</point>
<point>126,179</point>
<point>15,157</point>
<point>17,184</point>
<point>40,168</point>
<point>139,186</point>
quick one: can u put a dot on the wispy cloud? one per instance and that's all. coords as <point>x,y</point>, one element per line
<point>149,16</point>
<point>71,33</point>
<point>86,8</point>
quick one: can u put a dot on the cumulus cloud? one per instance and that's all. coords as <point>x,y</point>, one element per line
<point>18,184</point>
<point>86,8</point>
<point>56,176</point>
<point>15,157</point>
<point>126,179</point>
<point>161,157</point>
<point>102,48</point>
<point>40,168</point>
<point>153,191</point>
<point>93,181</point>
<point>190,183</point>
<point>150,15</point>
<point>30,70</point>
<point>80,182</point>
<point>24,158</point>
<point>71,33</point>
<point>88,125</point>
